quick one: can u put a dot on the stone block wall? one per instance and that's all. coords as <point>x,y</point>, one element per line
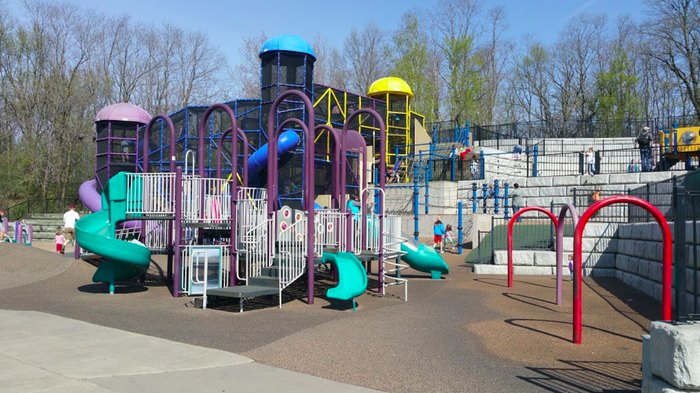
<point>639,256</point>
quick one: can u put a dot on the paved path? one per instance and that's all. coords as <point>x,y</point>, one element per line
<point>460,334</point>
<point>40,352</point>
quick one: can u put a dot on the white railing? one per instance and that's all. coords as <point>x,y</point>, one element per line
<point>205,200</point>
<point>331,230</point>
<point>192,270</point>
<point>251,209</point>
<point>155,234</point>
<point>255,246</point>
<point>292,253</point>
<point>127,232</point>
<point>150,194</point>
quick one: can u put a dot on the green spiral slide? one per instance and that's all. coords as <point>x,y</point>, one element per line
<point>96,233</point>
<point>352,276</point>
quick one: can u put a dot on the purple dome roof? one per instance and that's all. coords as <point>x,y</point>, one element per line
<point>123,111</point>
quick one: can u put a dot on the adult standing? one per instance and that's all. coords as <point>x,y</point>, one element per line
<point>69,219</point>
<point>644,142</point>
<point>517,202</point>
<point>590,161</point>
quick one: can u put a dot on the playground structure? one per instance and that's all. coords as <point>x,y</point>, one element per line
<point>23,233</point>
<point>238,228</point>
<point>679,144</point>
<point>579,227</point>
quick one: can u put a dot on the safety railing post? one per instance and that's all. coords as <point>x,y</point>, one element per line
<point>459,227</point>
<point>474,201</point>
<point>415,202</point>
<point>534,161</point>
<point>496,203</point>
<point>485,195</point>
<point>466,134</point>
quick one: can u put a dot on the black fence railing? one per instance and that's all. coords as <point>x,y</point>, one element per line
<point>29,207</point>
<point>559,128</point>
<point>686,267</point>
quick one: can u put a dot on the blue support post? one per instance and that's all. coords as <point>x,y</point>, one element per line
<point>485,195</point>
<point>415,202</point>
<point>459,227</point>
<point>466,135</point>
<point>495,197</point>
<point>482,166</point>
<point>474,201</point>
<point>426,182</point>
<point>534,161</point>
<point>506,210</point>
<point>453,174</point>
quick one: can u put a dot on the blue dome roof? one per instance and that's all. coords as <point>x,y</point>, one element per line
<point>287,43</point>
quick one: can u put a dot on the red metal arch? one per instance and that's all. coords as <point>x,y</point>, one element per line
<point>578,268</point>
<point>510,234</point>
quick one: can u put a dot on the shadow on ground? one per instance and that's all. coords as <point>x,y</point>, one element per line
<point>587,376</point>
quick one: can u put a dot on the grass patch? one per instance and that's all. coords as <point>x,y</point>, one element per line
<point>526,236</point>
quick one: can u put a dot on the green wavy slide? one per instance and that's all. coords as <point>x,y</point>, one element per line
<point>96,233</point>
<point>352,276</point>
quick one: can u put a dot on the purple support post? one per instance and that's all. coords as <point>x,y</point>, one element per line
<point>177,257</point>
<point>234,179</point>
<point>147,138</point>
<point>18,232</point>
<point>76,250</point>
<point>560,243</point>
<point>173,152</point>
<point>308,175</point>
<point>382,179</point>
<point>244,138</point>
<point>31,234</point>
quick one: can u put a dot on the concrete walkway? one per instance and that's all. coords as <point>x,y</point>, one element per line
<point>40,352</point>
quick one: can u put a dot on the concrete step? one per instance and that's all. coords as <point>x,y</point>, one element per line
<point>538,270</point>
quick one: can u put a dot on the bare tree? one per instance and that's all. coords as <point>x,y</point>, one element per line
<point>366,53</point>
<point>247,72</point>
<point>674,41</point>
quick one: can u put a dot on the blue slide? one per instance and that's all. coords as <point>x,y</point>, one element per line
<point>287,141</point>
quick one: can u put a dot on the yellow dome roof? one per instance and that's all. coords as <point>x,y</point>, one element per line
<point>390,84</point>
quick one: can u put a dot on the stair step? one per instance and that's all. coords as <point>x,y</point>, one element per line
<point>244,291</point>
<point>264,281</point>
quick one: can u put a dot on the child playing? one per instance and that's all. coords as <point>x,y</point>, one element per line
<point>438,233</point>
<point>449,237</point>
<point>59,240</point>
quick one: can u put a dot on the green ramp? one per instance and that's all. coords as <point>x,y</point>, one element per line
<point>424,259</point>
<point>352,276</point>
<point>97,233</point>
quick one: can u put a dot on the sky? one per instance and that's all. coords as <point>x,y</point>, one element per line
<point>227,21</point>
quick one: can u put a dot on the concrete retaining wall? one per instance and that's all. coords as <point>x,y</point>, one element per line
<point>671,358</point>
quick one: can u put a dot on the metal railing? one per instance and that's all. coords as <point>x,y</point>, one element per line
<point>686,267</point>
<point>206,200</point>
<point>292,254</point>
<point>150,194</point>
<point>331,230</point>
<point>255,248</point>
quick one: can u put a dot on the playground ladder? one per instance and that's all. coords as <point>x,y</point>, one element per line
<point>392,255</point>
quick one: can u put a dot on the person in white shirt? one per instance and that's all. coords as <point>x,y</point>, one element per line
<point>69,219</point>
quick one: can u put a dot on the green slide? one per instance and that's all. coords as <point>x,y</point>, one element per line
<point>424,259</point>
<point>352,277</point>
<point>96,233</point>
